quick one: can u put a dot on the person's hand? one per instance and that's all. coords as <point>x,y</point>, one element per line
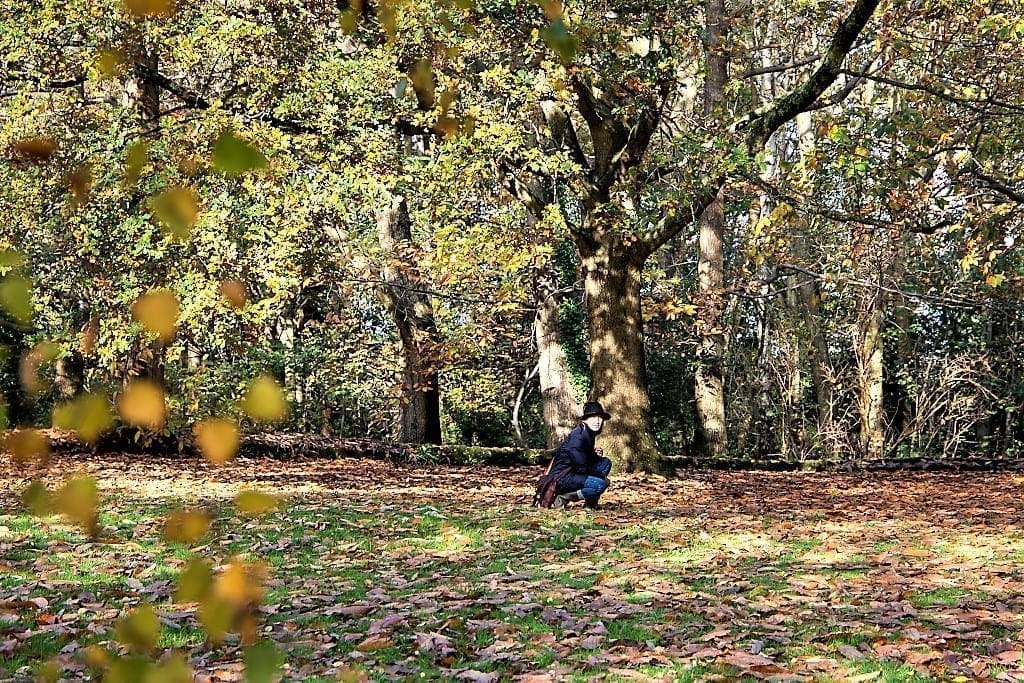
<point>599,452</point>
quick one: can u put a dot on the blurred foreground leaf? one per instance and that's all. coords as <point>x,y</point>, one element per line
<point>233,156</point>
<point>142,404</point>
<point>262,662</point>
<point>186,526</point>
<point>139,630</point>
<point>28,446</point>
<point>88,415</point>
<point>254,503</point>
<point>157,310</point>
<point>264,400</point>
<point>177,209</point>
<point>16,297</point>
<point>217,439</point>
<point>195,581</point>
<point>77,499</point>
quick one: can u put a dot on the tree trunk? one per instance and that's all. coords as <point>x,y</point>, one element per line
<point>712,439</point>
<point>871,369</point>
<point>560,407</point>
<point>709,378</point>
<point>420,420</point>
<point>612,282</point>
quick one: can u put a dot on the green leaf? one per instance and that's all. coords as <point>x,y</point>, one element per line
<point>262,662</point>
<point>234,156</point>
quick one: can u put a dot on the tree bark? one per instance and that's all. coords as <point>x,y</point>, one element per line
<point>559,404</point>
<point>420,419</point>
<point>870,359</point>
<point>612,276</point>
<point>712,438</point>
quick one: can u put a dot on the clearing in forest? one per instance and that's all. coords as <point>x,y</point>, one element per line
<point>370,570</point>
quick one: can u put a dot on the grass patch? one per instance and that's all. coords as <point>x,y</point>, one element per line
<point>946,595</point>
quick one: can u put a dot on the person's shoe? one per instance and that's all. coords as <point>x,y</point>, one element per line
<point>563,499</point>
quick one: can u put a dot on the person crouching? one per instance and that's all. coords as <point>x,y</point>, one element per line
<point>588,469</point>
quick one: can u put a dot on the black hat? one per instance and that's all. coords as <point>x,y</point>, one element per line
<point>591,408</point>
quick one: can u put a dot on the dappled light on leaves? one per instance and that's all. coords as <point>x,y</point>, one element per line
<point>157,310</point>
<point>762,574</point>
<point>186,526</point>
<point>177,209</point>
<point>217,439</point>
<point>16,297</point>
<point>142,404</point>
<point>234,292</point>
<point>88,415</point>
<point>264,400</point>
<point>139,630</point>
<point>28,446</point>
<point>233,156</point>
<point>254,503</point>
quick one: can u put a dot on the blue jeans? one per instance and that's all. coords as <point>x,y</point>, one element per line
<point>597,481</point>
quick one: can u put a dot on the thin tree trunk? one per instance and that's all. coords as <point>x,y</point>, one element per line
<point>559,404</point>
<point>712,439</point>
<point>420,420</point>
<point>870,359</point>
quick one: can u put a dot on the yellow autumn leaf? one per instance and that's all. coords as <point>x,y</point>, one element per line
<point>255,503</point>
<point>241,583</point>
<point>28,446</point>
<point>142,404</point>
<point>139,630</point>
<point>157,310</point>
<point>186,526</point>
<point>89,415</point>
<point>264,400</point>
<point>217,439</point>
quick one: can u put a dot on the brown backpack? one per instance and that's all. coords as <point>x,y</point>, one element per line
<point>547,486</point>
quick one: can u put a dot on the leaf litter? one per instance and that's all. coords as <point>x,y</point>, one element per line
<point>372,570</point>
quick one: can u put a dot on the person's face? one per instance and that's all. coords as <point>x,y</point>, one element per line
<point>594,422</point>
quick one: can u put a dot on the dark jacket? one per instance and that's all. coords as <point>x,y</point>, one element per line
<point>577,455</point>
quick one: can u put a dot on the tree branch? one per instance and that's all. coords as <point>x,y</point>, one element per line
<point>762,123</point>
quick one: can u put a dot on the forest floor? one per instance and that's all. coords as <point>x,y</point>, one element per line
<point>369,570</point>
